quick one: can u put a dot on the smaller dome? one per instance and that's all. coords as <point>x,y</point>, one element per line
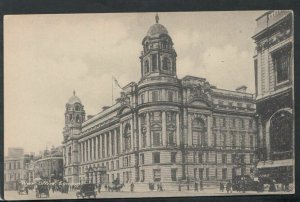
<point>156,30</point>
<point>74,99</point>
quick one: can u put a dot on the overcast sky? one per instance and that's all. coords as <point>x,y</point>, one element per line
<point>46,57</point>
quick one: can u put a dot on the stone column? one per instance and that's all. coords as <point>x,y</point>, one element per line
<point>177,129</point>
<point>100,147</point>
<point>116,141</point>
<point>121,138</point>
<point>267,129</point>
<point>87,150</point>
<point>148,135</point>
<point>132,133</point>
<point>164,129</point>
<point>189,132</point>
<point>111,142</point>
<point>105,145</point>
<point>97,148</point>
<point>92,151</point>
<point>209,131</point>
<point>108,144</point>
<point>140,133</point>
<point>81,152</point>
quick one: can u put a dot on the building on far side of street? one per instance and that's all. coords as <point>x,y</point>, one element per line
<point>16,166</point>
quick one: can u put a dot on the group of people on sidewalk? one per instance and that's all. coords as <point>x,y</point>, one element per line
<point>228,187</point>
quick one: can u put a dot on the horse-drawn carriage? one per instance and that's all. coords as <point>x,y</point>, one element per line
<point>42,189</point>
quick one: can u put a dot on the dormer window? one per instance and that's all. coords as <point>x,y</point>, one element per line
<point>154,62</point>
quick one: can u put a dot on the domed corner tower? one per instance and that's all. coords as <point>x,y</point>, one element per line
<point>158,56</point>
<point>74,117</point>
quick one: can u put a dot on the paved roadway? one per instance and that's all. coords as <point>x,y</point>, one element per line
<point>13,195</point>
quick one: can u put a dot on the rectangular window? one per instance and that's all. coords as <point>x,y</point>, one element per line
<point>107,166</point>
<point>214,122</point>
<point>201,173</point>
<point>142,160</point>
<point>156,157</point>
<point>224,122</point>
<point>142,98</point>
<point>155,96</point>
<point>233,157</point>
<point>195,173</point>
<point>242,124</point>
<point>216,173</point>
<point>233,140</point>
<point>173,157</point>
<point>243,158</point>
<point>243,141</point>
<point>200,157</point>
<point>251,140</point>
<point>224,158</point>
<point>142,175</point>
<point>173,174</point>
<point>233,123</point>
<point>117,164</point>
<point>112,165</point>
<point>250,123</point>
<point>170,96</point>
<point>156,175</point>
<point>194,157</point>
<point>282,62</point>
<point>207,173</point>
<point>240,105</point>
<point>224,173</point>
<point>154,62</point>
<point>156,138</point>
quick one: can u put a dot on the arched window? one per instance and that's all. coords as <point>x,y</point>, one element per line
<point>77,108</point>
<point>77,119</point>
<point>70,117</point>
<point>127,137</point>
<point>281,135</point>
<point>146,66</point>
<point>166,64</point>
<point>198,137</point>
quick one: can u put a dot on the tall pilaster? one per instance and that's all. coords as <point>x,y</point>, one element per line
<point>121,138</point>
<point>177,129</point>
<point>132,133</point>
<point>189,132</point>
<point>164,129</point>
<point>148,136</point>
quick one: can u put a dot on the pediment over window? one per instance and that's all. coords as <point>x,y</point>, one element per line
<point>200,102</point>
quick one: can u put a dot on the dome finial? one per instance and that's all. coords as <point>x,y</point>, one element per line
<point>156,18</point>
<point>74,92</point>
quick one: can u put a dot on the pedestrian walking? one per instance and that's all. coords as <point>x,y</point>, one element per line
<point>221,186</point>
<point>228,187</point>
<point>196,187</point>
<point>201,185</point>
<point>131,187</point>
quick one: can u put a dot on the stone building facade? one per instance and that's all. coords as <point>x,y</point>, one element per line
<point>162,128</point>
<point>274,70</point>
<point>50,165</point>
<point>16,166</point>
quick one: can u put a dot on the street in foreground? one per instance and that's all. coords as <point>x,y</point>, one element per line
<point>13,195</point>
